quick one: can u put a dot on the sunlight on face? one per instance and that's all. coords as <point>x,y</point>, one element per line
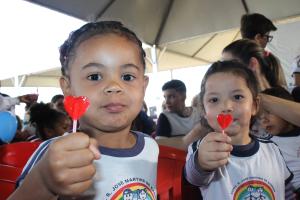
<point>108,70</point>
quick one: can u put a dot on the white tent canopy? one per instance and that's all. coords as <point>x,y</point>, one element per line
<point>185,33</point>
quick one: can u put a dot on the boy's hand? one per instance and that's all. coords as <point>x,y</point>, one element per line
<point>214,151</point>
<point>67,167</point>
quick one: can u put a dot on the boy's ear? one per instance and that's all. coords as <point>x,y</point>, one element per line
<point>257,38</point>
<point>65,85</point>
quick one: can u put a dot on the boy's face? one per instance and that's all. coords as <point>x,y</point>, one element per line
<point>229,94</point>
<point>108,70</point>
<point>273,124</point>
<point>174,101</point>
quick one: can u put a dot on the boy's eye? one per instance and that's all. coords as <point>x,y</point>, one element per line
<point>95,77</point>
<point>213,100</point>
<point>238,97</point>
<point>127,77</point>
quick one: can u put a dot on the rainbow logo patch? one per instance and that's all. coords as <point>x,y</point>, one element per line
<point>134,191</point>
<point>254,189</point>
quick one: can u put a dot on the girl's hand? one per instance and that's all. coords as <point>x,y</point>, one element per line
<point>214,151</point>
<point>67,167</point>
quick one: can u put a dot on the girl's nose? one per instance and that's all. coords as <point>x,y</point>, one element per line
<point>113,87</point>
<point>227,108</point>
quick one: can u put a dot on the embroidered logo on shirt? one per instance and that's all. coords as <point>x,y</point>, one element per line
<point>134,191</point>
<point>254,189</point>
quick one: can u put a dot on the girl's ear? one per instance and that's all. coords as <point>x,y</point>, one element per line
<point>254,64</point>
<point>255,106</point>
<point>146,81</point>
<point>65,85</point>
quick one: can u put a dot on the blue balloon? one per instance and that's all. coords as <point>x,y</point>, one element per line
<point>8,126</point>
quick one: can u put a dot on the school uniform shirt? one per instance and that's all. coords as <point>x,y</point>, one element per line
<point>289,145</point>
<point>254,171</point>
<point>121,173</point>
<point>170,124</point>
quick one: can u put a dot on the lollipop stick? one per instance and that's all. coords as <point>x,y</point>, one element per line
<point>223,131</point>
<point>74,125</point>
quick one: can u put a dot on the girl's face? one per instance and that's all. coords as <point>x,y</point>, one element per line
<point>228,93</point>
<point>274,124</point>
<point>63,125</point>
<point>108,70</point>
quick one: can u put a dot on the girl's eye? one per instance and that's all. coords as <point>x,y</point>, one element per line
<point>238,97</point>
<point>95,77</point>
<point>213,100</point>
<point>127,77</point>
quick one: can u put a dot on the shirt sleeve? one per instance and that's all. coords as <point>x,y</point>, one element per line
<point>192,171</point>
<point>6,103</point>
<point>163,126</point>
<point>35,157</point>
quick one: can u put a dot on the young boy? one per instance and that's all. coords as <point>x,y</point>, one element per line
<point>105,62</point>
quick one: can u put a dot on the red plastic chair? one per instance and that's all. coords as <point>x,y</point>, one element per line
<point>17,154</point>
<point>8,178</point>
<point>169,174</point>
<point>13,158</point>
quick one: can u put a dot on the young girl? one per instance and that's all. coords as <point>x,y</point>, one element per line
<point>105,62</point>
<point>234,165</point>
<point>252,55</point>
<point>48,122</point>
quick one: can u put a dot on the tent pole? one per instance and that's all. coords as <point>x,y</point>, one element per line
<point>154,62</point>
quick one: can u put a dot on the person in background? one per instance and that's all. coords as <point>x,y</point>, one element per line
<point>177,119</point>
<point>143,122</point>
<point>57,102</point>
<point>296,76</point>
<point>48,122</point>
<point>20,135</point>
<point>253,57</point>
<point>105,62</point>
<point>8,103</point>
<point>285,135</point>
<point>231,162</point>
<point>257,27</point>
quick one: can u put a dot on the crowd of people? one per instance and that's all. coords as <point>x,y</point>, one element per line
<point>115,146</point>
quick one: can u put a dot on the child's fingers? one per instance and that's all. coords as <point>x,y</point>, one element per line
<point>217,137</point>
<point>79,158</point>
<point>218,156</point>
<point>73,141</point>
<point>76,188</point>
<point>94,148</point>
<point>218,163</point>
<point>220,147</point>
<point>77,175</point>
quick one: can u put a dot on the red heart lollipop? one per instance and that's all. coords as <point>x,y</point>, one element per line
<point>76,106</point>
<point>224,120</point>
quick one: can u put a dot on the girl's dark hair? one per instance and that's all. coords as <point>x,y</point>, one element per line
<point>68,49</point>
<point>43,116</point>
<point>245,49</point>
<point>232,67</point>
<point>57,97</point>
